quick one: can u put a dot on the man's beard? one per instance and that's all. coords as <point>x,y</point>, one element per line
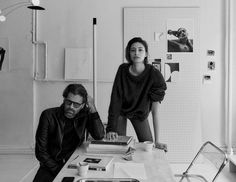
<point>69,113</point>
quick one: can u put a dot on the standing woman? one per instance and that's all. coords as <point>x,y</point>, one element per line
<point>138,89</point>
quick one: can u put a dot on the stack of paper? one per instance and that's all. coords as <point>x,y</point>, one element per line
<point>120,140</point>
<point>105,146</point>
<point>107,149</point>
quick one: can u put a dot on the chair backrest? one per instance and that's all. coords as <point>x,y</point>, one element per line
<point>209,162</point>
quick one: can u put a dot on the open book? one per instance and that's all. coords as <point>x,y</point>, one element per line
<point>99,163</point>
<point>121,140</point>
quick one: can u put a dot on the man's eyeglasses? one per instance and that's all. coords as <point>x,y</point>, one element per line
<point>75,104</point>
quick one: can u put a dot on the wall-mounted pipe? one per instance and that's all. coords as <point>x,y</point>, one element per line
<point>95,61</point>
<point>36,47</point>
<point>228,74</point>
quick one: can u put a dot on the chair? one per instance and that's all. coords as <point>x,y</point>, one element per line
<point>206,165</point>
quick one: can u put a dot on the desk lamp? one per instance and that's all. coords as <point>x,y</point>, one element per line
<point>33,4</point>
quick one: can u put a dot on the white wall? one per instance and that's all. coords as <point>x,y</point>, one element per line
<point>234,72</point>
<point>212,37</point>
<point>16,84</point>
<point>69,24</point>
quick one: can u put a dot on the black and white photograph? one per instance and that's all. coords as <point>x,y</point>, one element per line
<point>92,160</point>
<point>180,33</point>
<point>4,54</point>
<point>117,91</point>
<point>172,72</point>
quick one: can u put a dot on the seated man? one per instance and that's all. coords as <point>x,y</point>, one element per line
<point>62,129</point>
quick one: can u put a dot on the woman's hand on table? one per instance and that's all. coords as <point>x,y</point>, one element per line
<point>161,146</point>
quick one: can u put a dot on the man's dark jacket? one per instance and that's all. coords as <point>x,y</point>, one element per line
<point>49,134</point>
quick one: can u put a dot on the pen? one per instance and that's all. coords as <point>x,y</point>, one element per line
<point>73,166</point>
<point>75,158</point>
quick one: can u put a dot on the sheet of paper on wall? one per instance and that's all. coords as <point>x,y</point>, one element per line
<point>4,54</point>
<point>172,72</point>
<point>158,36</point>
<point>129,170</point>
<point>78,63</point>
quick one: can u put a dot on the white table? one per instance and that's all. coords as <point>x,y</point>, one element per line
<point>156,166</point>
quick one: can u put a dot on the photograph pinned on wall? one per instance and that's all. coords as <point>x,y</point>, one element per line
<point>210,52</point>
<point>158,36</point>
<point>169,56</point>
<point>4,54</point>
<point>207,79</point>
<point>180,33</point>
<point>157,64</point>
<point>172,72</point>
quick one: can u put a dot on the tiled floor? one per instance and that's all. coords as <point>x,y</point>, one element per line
<point>22,168</point>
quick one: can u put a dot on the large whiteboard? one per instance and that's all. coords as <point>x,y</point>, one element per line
<point>180,125</point>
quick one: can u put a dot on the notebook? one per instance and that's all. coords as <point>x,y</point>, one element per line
<point>121,140</point>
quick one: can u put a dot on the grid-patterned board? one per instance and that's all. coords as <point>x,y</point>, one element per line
<point>180,125</point>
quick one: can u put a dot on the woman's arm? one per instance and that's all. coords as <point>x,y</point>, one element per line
<point>115,104</point>
<point>155,117</point>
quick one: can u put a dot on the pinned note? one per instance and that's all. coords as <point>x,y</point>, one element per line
<point>78,63</point>
<point>158,36</point>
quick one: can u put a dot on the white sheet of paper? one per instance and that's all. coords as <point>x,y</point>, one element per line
<point>129,170</point>
<point>78,63</point>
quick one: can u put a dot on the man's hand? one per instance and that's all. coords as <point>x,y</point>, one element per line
<point>91,104</point>
<point>161,146</point>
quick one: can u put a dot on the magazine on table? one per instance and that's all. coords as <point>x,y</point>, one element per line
<point>99,163</point>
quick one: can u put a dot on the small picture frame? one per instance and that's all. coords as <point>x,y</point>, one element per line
<point>210,52</point>
<point>4,54</point>
<point>169,56</point>
<point>92,160</point>
<point>157,64</point>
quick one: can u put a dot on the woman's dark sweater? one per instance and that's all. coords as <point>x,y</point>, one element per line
<point>132,96</point>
